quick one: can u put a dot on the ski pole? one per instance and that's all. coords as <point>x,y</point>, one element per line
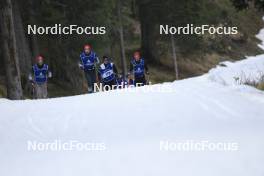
<point>148,79</point>
<point>33,90</point>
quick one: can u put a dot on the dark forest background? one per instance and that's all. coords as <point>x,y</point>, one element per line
<point>131,25</point>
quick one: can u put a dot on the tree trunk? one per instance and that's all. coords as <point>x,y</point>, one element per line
<point>23,49</point>
<point>13,81</point>
<point>147,34</point>
<point>174,57</point>
<point>121,34</point>
<point>33,4</point>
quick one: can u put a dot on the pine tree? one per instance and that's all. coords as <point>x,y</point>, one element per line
<point>14,88</point>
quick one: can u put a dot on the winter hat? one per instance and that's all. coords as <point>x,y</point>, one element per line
<point>87,46</point>
<point>137,53</point>
<point>39,58</point>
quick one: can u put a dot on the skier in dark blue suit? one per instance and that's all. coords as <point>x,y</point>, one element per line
<point>39,78</point>
<point>139,68</point>
<point>88,61</point>
<point>108,73</point>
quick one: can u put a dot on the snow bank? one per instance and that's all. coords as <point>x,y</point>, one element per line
<point>228,73</point>
<point>261,37</point>
<point>250,69</point>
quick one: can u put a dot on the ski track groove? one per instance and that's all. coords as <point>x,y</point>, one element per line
<point>198,91</point>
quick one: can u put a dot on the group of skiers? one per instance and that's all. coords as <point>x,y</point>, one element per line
<point>106,73</point>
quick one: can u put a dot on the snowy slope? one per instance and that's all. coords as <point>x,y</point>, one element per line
<point>131,125</point>
<point>261,37</point>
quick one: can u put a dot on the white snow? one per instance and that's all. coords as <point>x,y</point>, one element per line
<point>260,36</point>
<point>228,73</point>
<point>211,107</point>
